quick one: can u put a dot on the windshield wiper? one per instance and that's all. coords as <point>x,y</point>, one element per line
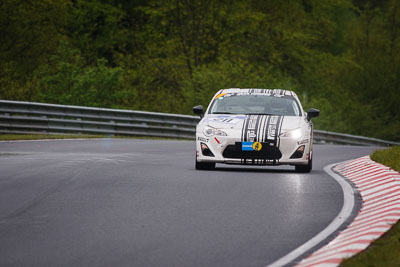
<point>220,112</point>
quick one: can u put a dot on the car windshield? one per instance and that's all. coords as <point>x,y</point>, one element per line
<point>255,104</point>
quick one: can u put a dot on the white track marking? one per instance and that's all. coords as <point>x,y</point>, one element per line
<point>344,214</point>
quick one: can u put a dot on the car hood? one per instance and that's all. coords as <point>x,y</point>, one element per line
<point>231,121</point>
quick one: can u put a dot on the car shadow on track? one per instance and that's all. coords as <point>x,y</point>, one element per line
<point>249,169</point>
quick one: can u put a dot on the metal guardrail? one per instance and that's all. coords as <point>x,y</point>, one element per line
<point>31,117</point>
<point>349,139</point>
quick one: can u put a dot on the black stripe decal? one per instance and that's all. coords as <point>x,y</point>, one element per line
<point>244,129</point>
<point>256,130</point>
<point>262,128</point>
<point>279,129</point>
<point>266,128</point>
<point>245,123</point>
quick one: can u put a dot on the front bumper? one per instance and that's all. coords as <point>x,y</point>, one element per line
<point>225,149</point>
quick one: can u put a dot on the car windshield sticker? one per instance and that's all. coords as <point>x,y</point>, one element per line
<point>265,92</point>
<point>226,119</point>
<point>219,95</point>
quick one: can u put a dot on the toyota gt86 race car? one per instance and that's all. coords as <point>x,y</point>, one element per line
<point>254,127</point>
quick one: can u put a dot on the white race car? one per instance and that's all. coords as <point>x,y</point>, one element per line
<point>254,127</point>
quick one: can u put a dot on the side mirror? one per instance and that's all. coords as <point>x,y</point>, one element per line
<point>312,113</point>
<point>199,110</point>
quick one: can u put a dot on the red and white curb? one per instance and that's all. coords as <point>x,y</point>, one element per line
<point>379,187</point>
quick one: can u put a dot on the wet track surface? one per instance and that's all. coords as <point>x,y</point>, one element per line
<point>125,202</point>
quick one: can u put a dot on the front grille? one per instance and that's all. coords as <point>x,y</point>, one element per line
<point>267,152</point>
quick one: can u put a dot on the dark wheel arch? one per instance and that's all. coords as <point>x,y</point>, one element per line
<point>305,168</point>
<point>204,165</point>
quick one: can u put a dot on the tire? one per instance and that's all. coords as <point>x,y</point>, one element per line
<point>205,165</point>
<point>304,168</point>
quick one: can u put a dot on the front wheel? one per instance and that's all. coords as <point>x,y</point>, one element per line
<point>205,165</point>
<point>304,168</point>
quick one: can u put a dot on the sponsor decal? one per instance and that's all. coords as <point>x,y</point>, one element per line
<point>251,146</point>
<point>302,142</point>
<point>247,146</point>
<point>258,161</point>
<point>202,139</point>
<point>257,146</point>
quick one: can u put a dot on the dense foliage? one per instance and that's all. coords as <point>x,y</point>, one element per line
<point>341,56</point>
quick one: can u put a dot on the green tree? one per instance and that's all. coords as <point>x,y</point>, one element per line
<point>29,32</point>
<point>67,80</point>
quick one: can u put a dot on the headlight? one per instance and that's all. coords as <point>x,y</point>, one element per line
<point>296,133</point>
<point>208,131</point>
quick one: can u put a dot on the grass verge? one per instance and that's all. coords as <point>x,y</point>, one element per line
<point>384,251</point>
<point>12,137</point>
<point>389,157</point>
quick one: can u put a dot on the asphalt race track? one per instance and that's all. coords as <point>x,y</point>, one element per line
<point>126,202</point>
